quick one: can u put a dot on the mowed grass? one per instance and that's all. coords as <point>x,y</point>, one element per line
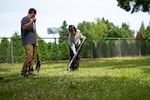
<point>96,79</point>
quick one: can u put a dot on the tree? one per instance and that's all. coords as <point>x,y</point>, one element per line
<point>125,31</point>
<point>63,50</point>
<point>99,29</point>
<point>142,28</point>
<point>18,51</point>
<point>102,48</point>
<point>43,50</point>
<point>63,32</point>
<point>144,45</point>
<point>112,48</point>
<point>134,5</point>
<point>53,51</point>
<point>145,31</point>
<point>146,34</point>
<point>5,51</point>
<point>142,32</point>
<point>102,28</point>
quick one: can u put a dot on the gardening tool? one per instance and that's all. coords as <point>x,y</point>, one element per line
<point>38,64</point>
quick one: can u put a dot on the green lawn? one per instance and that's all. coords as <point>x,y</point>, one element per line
<point>96,79</point>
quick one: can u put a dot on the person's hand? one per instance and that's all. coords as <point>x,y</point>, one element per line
<point>37,44</point>
<point>75,54</point>
<point>84,38</point>
<point>34,19</point>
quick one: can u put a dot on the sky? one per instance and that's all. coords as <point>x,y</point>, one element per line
<point>52,13</point>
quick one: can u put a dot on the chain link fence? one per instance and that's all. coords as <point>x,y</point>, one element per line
<point>12,51</point>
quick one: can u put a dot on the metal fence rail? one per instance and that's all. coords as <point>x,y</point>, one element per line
<point>12,51</point>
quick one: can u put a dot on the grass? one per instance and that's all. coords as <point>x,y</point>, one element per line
<point>96,79</point>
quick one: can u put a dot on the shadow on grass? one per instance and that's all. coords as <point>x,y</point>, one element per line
<point>118,63</point>
<point>146,70</point>
<point>58,65</point>
<point>2,69</point>
<point>71,87</point>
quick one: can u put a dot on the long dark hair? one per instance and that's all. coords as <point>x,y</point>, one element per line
<point>72,27</point>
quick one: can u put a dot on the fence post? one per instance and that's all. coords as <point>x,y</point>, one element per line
<point>56,51</point>
<point>139,47</point>
<point>12,52</point>
<point>119,46</point>
<point>91,48</point>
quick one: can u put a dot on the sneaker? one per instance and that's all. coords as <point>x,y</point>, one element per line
<point>23,75</point>
<point>1,78</point>
<point>73,69</point>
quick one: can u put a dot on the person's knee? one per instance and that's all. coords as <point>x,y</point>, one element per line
<point>29,52</point>
<point>29,55</point>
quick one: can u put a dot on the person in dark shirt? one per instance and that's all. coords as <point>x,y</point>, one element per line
<point>28,38</point>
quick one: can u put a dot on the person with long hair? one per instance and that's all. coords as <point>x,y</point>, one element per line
<point>74,41</point>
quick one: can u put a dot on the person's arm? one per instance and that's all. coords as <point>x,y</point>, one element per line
<point>81,36</point>
<point>27,25</point>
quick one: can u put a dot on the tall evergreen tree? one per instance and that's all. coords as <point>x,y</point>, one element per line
<point>143,30</point>
<point>125,31</point>
<point>43,50</point>
<point>147,32</point>
<point>142,27</point>
<point>53,51</point>
<point>63,50</point>
<point>63,32</point>
<point>18,50</point>
<point>5,51</point>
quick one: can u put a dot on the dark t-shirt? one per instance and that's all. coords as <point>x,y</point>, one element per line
<point>27,35</point>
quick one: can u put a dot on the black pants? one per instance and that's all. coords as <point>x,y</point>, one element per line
<point>75,63</point>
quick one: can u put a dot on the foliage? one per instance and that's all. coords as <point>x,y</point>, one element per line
<point>5,50</point>
<point>99,79</point>
<point>53,51</point>
<point>147,32</point>
<point>18,49</point>
<point>145,45</point>
<point>112,48</point>
<point>134,5</point>
<point>86,50</point>
<point>126,32</point>
<point>63,50</point>
<point>102,28</point>
<point>63,32</point>
<point>43,50</point>
<point>102,48</point>
<point>142,28</point>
